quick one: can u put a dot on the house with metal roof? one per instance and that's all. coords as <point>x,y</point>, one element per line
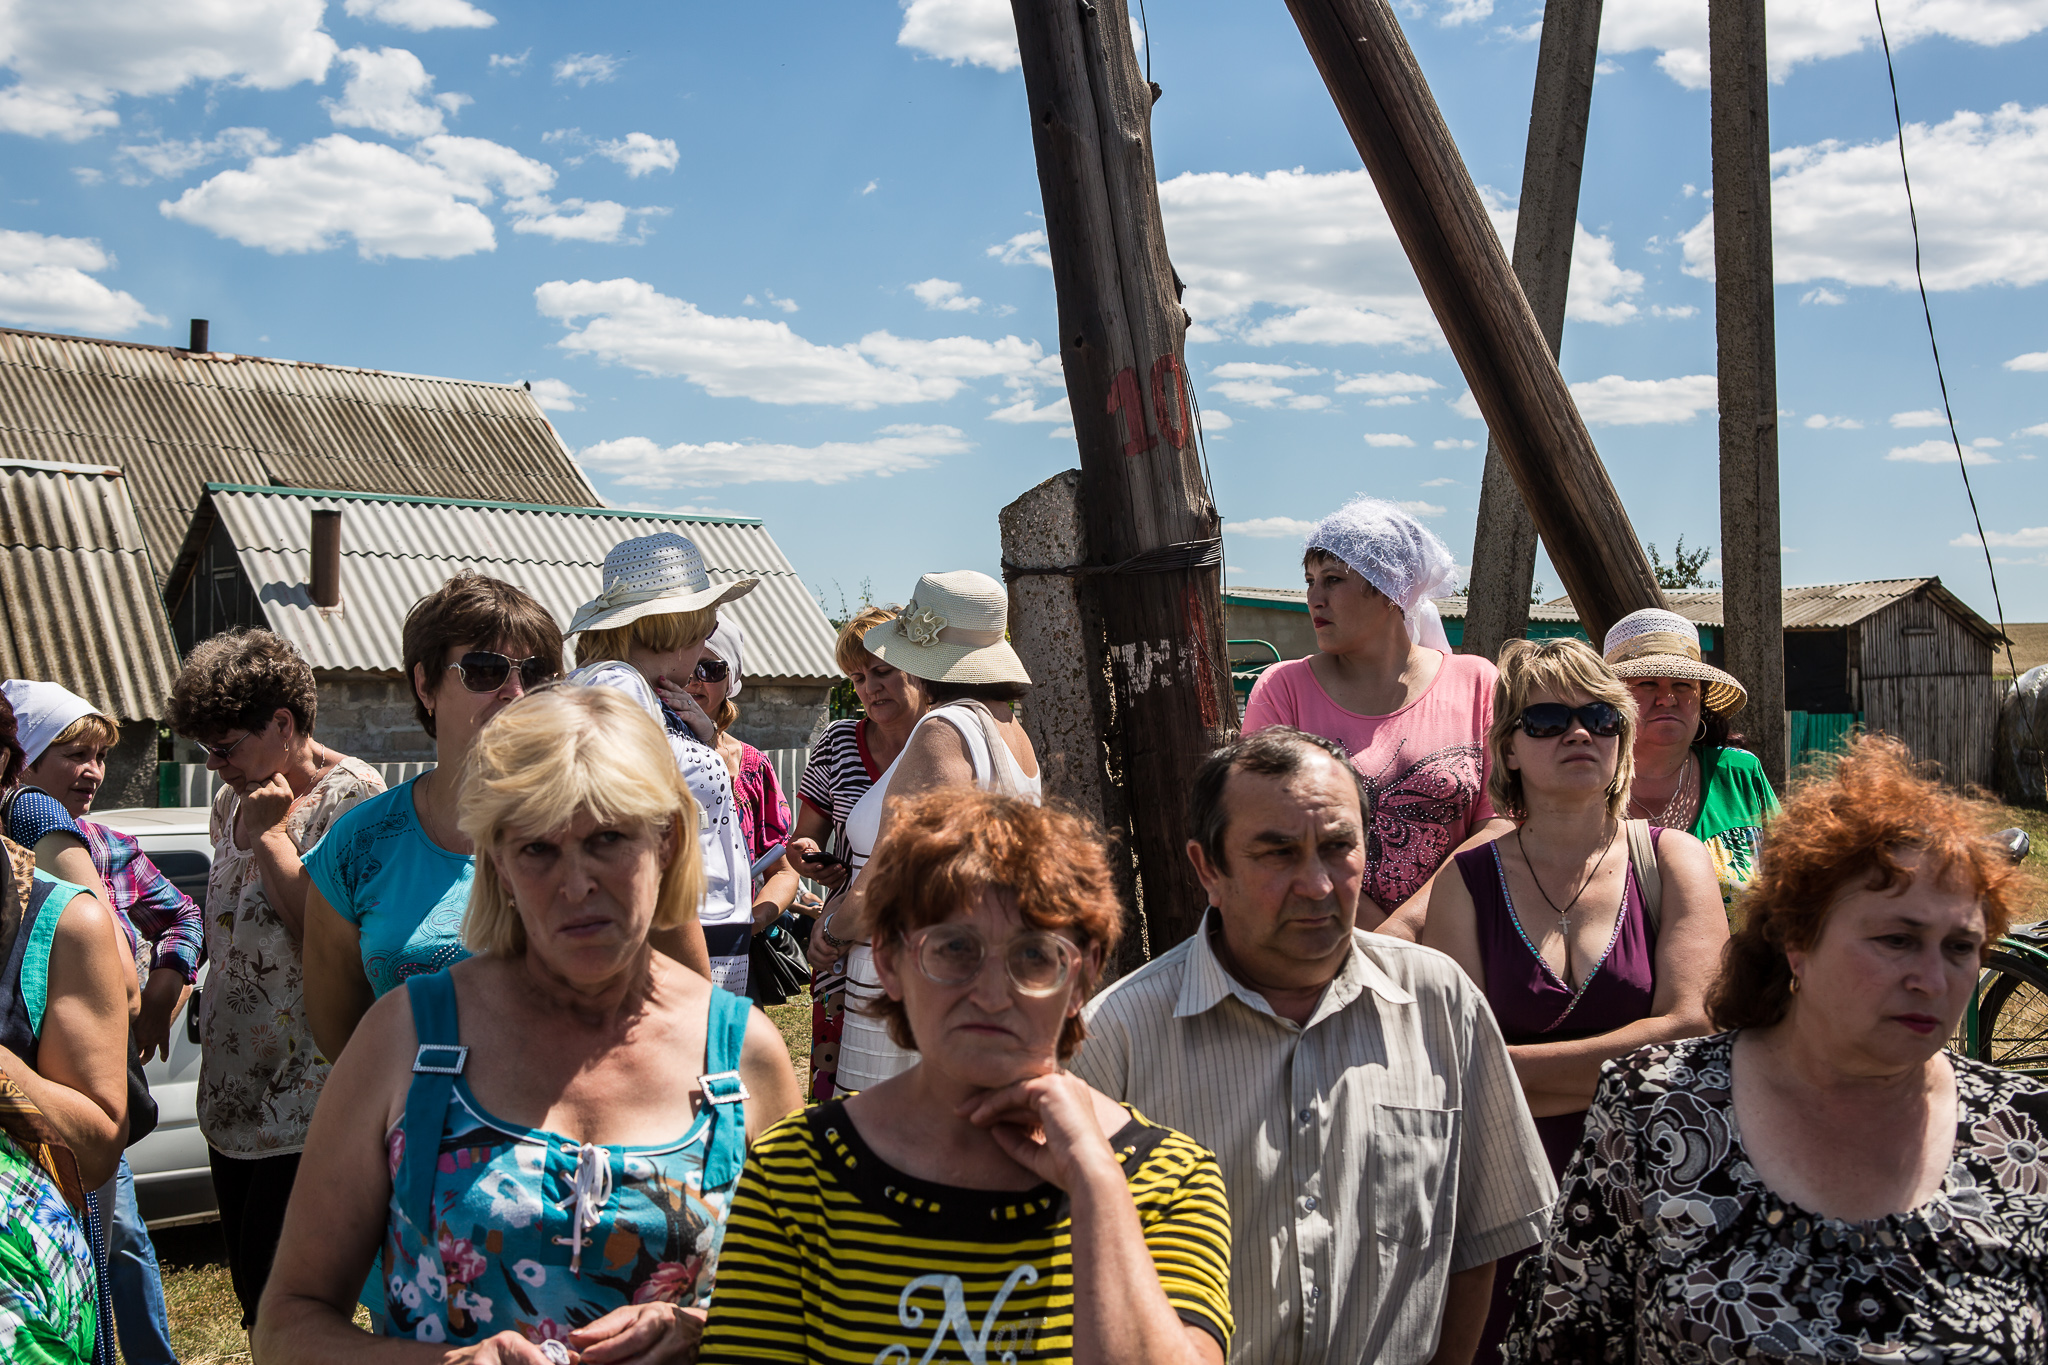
<point>81,607</point>
<point>175,419</point>
<point>248,559</point>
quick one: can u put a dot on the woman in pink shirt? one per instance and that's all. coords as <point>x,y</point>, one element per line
<point>1385,684</point>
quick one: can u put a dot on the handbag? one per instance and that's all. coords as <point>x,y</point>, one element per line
<point>777,968</point>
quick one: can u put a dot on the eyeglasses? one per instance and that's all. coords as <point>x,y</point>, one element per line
<point>712,670</point>
<point>219,752</point>
<point>483,670</point>
<point>1038,963</point>
<point>1549,719</point>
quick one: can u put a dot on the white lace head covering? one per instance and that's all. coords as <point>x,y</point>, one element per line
<point>1396,554</point>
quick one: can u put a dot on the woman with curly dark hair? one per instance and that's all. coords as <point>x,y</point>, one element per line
<point>248,698</point>
<point>1821,1181</point>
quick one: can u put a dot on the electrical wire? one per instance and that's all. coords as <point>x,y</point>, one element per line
<point>1926,312</point>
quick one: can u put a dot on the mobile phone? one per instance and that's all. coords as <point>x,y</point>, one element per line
<point>829,859</point>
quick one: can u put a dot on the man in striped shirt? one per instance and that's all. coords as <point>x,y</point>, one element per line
<point>1376,1147</point>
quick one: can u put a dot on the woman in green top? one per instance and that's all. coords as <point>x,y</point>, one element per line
<point>1687,775</point>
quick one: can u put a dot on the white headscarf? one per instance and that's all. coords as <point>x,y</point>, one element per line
<point>729,642</point>
<point>1396,554</point>
<point>43,711</point>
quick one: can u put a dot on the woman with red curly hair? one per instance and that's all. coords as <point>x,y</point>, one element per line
<point>983,1201</point>
<point>1820,1181</point>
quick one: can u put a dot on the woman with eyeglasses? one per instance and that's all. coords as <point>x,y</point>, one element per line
<point>985,1203</point>
<point>1551,918</point>
<point>391,879</point>
<point>248,697</point>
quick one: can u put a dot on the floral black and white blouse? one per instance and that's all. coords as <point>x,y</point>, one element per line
<point>1666,1247</point>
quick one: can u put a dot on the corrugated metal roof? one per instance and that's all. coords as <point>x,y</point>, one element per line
<point>175,421</point>
<point>80,604</point>
<point>1825,606</point>
<point>397,550</point>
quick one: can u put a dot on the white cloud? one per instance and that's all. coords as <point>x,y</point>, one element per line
<point>168,158</point>
<point>573,220</point>
<point>1023,411</point>
<point>1420,509</point>
<point>944,296</point>
<point>1061,434</point>
<point>420,15</point>
<point>585,67</point>
<point>554,395</point>
<point>1438,483</point>
<point>392,204</point>
<point>641,153</point>
<point>1026,248</point>
<point>1821,422</point>
<point>1940,452</point>
<point>1392,385</point>
<point>1826,297</point>
<point>2033,360</point>
<point>73,61</point>
<point>1215,419</point>
<point>1379,439</point>
<point>1455,443</point>
<point>632,324</point>
<point>515,62</point>
<point>387,92</point>
<point>1614,401</point>
<point>1271,528</point>
<point>1465,405</point>
<point>638,462</point>
<point>46,284</point>
<point>1921,417</point>
<point>1801,31</point>
<point>977,32</point>
<point>1838,211</point>
<point>870,187</point>
<point>2029,538</point>
<point>1258,385</point>
<point>2039,430</point>
<point>1683,310</point>
<point>1599,289</point>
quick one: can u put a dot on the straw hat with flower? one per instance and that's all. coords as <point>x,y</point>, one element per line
<point>1654,643</point>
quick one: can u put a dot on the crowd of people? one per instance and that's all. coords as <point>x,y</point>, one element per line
<point>1522,1024</point>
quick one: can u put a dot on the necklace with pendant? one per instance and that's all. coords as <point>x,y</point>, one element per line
<point>1564,916</point>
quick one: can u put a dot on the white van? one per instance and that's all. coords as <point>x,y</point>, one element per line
<point>173,1182</point>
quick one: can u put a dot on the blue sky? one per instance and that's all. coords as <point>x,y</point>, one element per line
<point>781,260</point>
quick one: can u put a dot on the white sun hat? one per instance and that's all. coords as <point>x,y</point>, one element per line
<point>951,630</point>
<point>658,575</point>
<point>729,643</point>
<point>1654,643</point>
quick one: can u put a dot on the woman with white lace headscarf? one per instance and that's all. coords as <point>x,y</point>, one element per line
<point>1385,684</point>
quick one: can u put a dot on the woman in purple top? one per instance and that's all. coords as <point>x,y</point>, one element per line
<point>1548,917</point>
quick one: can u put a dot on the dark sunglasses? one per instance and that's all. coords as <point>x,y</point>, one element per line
<point>1549,719</point>
<point>485,671</point>
<point>712,670</point>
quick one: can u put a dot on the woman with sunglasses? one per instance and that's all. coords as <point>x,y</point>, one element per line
<point>985,1203</point>
<point>248,697</point>
<point>391,879</point>
<point>1549,917</point>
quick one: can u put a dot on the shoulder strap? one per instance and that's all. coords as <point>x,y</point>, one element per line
<point>1642,856</point>
<point>440,1059</point>
<point>725,1031</point>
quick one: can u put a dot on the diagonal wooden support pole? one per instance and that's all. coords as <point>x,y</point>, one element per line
<point>1434,206</point>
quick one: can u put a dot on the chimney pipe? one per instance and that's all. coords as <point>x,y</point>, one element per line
<point>198,344</point>
<point>327,557</point>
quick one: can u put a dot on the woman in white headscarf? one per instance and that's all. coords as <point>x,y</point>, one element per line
<point>1385,684</point>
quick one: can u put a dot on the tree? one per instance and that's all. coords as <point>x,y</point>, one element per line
<point>1687,569</point>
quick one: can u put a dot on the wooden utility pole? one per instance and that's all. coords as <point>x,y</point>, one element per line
<point>1745,320</point>
<point>1504,546</point>
<point>1434,206</point>
<point>1142,492</point>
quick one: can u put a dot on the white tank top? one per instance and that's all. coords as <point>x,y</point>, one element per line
<point>995,769</point>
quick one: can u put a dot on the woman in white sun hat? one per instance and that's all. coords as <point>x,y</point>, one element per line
<point>950,635</point>
<point>644,634</point>
<point>1688,776</point>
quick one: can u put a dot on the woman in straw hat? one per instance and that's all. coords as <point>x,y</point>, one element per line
<point>1385,685</point>
<point>645,634</point>
<point>1687,775</point>
<point>951,635</point>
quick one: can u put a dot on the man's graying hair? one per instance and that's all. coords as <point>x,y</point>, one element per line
<point>1276,751</point>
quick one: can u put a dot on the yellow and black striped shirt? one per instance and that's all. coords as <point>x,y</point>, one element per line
<point>832,1256</point>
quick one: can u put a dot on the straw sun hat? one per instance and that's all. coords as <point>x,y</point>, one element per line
<point>658,575</point>
<point>951,630</point>
<point>1653,643</point>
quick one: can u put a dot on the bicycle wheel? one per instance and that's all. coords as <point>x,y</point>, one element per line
<point>2012,1016</point>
